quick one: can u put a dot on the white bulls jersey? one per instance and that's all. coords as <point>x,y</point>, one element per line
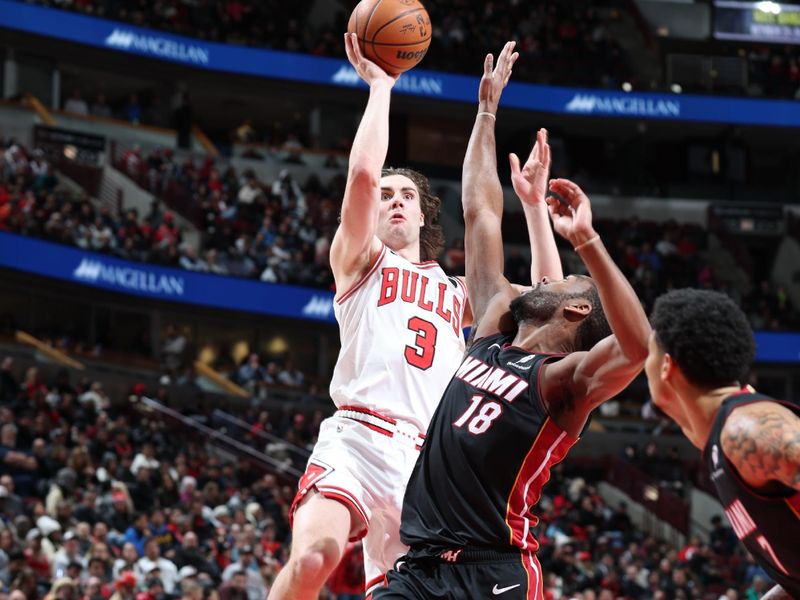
<point>402,339</point>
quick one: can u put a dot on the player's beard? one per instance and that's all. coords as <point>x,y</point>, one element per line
<point>538,305</point>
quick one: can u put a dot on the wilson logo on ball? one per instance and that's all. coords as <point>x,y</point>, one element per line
<point>405,55</point>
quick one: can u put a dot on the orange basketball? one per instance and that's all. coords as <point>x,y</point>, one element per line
<point>394,34</point>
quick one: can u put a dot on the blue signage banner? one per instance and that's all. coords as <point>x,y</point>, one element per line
<point>227,293</point>
<point>777,347</point>
<point>158,283</point>
<point>291,66</point>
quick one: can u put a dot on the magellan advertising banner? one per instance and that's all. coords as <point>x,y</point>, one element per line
<point>291,66</point>
<point>159,283</point>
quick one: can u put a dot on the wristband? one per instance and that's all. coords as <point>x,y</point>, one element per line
<point>487,114</point>
<point>587,242</point>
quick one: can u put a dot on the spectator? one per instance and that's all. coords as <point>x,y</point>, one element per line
<point>152,560</point>
<point>124,586</point>
<point>76,104</point>
<point>722,539</point>
<point>99,106</point>
<point>173,349</point>
<point>235,588</point>
<point>67,555</point>
<point>132,111</point>
<point>246,564</point>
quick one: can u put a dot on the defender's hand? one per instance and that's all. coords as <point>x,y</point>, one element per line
<point>366,69</point>
<point>495,79</point>
<point>572,219</point>
<point>530,182</point>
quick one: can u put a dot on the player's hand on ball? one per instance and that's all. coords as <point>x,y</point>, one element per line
<point>495,78</point>
<point>530,181</point>
<point>572,218</point>
<point>366,69</point>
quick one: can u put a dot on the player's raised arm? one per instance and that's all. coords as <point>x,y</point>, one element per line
<point>482,194</point>
<point>585,379</point>
<point>530,185</point>
<point>355,244</point>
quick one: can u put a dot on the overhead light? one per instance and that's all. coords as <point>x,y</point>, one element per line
<point>769,7</point>
<point>676,88</point>
<point>627,87</point>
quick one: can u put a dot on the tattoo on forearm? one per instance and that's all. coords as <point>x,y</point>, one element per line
<point>764,446</point>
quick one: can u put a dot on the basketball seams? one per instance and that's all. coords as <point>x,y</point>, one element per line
<point>403,45</point>
<point>369,18</point>
<point>393,30</point>
<point>396,18</point>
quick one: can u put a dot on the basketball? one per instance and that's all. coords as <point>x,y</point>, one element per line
<point>394,34</point>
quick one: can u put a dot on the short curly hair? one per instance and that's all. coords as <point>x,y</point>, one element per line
<point>431,238</point>
<point>706,334</point>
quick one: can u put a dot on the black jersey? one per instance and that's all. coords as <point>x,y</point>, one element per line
<point>488,453</point>
<point>769,526</point>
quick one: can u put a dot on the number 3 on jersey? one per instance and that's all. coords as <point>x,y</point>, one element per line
<point>421,354</point>
<point>481,422</point>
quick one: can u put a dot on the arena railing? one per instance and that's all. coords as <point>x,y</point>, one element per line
<point>224,441</point>
<point>238,428</point>
<point>642,488</point>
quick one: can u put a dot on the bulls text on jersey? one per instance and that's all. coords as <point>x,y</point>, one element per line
<point>412,287</point>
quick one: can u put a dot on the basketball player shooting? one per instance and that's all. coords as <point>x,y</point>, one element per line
<point>541,362</point>
<point>700,351</point>
<point>401,322</point>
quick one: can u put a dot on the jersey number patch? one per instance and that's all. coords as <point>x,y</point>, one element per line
<point>481,422</point>
<point>421,354</point>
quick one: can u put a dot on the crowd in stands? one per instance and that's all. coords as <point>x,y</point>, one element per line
<point>105,499</point>
<point>560,43</point>
<point>280,232</point>
<point>593,551</point>
<point>102,499</point>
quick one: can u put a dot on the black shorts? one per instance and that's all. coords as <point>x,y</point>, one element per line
<point>464,574</point>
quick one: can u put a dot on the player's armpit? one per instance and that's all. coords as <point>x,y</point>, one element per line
<point>762,441</point>
<point>776,593</point>
<point>581,381</point>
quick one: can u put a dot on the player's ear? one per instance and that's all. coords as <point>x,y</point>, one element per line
<point>577,310</point>
<point>421,219</point>
<point>668,368</point>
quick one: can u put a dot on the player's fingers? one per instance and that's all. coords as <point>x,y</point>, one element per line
<point>488,64</point>
<point>348,47</point>
<point>557,186</point>
<point>356,47</point>
<point>513,159</point>
<point>546,148</point>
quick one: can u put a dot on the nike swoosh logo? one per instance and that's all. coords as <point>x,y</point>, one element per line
<point>496,591</point>
<point>495,346</point>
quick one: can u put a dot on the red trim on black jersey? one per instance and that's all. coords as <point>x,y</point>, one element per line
<point>533,570</point>
<point>379,580</point>
<point>548,449</point>
<point>794,504</point>
<point>361,281</point>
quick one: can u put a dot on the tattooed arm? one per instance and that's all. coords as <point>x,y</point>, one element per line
<point>762,440</point>
<point>776,593</point>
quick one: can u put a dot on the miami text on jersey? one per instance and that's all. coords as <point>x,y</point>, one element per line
<point>493,380</point>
